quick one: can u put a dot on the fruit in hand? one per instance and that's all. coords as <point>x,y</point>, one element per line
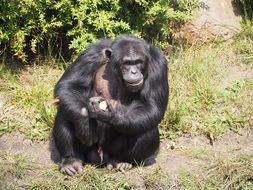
<point>103,105</point>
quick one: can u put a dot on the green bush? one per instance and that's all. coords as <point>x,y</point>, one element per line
<point>30,27</point>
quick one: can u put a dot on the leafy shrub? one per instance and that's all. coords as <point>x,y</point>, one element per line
<point>29,27</point>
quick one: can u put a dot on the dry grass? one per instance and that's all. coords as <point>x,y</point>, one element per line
<point>203,99</point>
<point>28,103</point>
<point>221,173</point>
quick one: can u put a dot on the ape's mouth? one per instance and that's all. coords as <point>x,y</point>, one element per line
<point>135,84</point>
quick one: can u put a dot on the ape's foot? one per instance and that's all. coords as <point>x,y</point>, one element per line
<point>72,166</point>
<point>118,165</point>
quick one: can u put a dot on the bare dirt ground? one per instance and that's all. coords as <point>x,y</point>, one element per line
<point>187,153</point>
<point>235,73</point>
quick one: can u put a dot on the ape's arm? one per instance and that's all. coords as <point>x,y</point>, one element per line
<point>137,117</point>
<point>74,88</point>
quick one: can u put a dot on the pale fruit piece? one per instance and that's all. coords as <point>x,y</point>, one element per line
<point>103,105</point>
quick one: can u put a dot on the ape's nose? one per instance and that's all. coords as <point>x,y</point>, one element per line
<point>133,71</point>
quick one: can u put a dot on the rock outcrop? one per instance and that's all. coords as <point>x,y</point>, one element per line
<point>213,20</point>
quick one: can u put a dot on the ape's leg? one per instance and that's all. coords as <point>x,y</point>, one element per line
<point>68,146</point>
<point>138,149</point>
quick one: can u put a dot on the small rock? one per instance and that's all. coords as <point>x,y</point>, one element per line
<point>171,145</point>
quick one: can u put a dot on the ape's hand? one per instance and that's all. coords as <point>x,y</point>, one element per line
<point>99,108</point>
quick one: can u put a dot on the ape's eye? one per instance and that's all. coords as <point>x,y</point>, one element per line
<point>139,65</point>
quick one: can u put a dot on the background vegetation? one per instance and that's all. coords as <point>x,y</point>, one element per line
<point>211,89</point>
<point>32,27</point>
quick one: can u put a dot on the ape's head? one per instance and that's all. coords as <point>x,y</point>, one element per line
<point>129,57</point>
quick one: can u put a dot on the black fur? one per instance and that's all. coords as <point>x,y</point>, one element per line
<point>130,129</point>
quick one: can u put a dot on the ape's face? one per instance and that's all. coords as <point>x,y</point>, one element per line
<point>130,58</point>
<point>131,68</point>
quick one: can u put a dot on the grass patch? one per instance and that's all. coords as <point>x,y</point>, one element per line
<point>29,106</point>
<point>244,45</point>
<point>233,108</point>
<point>90,179</point>
<point>199,102</point>
<point>156,179</point>
<point>222,173</point>
<point>17,173</point>
<point>227,172</point>
<point>13,168</point>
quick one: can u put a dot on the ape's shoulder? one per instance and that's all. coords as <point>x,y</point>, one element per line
<point>89,60</point>
<point>96,48</point>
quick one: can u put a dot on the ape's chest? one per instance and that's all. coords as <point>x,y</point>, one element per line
<point>107,86</point>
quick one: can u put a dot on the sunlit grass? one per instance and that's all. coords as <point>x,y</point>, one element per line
<point>199,101</point>
<point>223,173</point>
<point>29,103</point>
<point>17,172</point>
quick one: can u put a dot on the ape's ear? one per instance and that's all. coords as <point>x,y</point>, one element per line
<point>107,52</point>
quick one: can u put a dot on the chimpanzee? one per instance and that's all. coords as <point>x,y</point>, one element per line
<point>111,100</point>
